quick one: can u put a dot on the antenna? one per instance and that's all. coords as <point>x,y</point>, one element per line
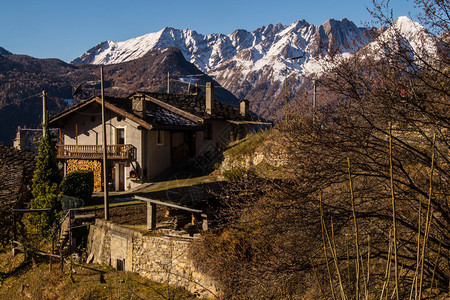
<point>189,86</point>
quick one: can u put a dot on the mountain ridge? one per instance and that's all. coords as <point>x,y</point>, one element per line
<point>3,51</point>
<point>243,61</point>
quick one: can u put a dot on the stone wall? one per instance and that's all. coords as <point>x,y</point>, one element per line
<point>161,258</point>
<point>83,164</point>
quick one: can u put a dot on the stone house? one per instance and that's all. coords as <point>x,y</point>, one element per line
<point>147,133</point>
<point>16,173</point>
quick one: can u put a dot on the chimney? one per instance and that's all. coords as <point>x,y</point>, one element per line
<point>18,141</point>
<point>209,97</point>
<point>138,104</point>
<point>244,107</point>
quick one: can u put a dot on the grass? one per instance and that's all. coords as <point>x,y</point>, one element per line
<point>37,281</point>
<point>177,183</point>
<point>247,146</point>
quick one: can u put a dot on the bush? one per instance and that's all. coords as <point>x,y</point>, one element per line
<point>233,174</point>
<point>79,184</point>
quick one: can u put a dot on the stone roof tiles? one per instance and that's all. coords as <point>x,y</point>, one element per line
<point>196,105</point>
<point>16,171</point>
<point>164,110</point>
<point>13,158</point>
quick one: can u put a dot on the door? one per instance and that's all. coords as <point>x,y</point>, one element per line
<point>121,177</point>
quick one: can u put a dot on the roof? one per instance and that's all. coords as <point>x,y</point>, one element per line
<point>163,111</point>
<point>11,182</point>
<point>12,157</point>
<point>16,171</point>
<point>196,105</point>
<point>156,116</point>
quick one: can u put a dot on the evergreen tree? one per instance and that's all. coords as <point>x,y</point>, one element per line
<point>45,188</point>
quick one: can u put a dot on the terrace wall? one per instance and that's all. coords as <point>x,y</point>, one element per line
<point>160,258</point>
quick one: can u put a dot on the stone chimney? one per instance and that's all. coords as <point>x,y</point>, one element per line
<point>138,104</point>
<point>244,107</point>
<point>18,141</point>
<point>209,97</point>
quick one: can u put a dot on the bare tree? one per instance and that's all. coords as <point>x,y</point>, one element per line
<point>272,242</point>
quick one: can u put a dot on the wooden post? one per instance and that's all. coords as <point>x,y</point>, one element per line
<point>151,215</point>
<point>44,112</point>
<point>14,226</point>
<point>105,158</point>
<point>70,231</point>
<point>76,134</point>
<point>204,222</point>
<point>61,259</point>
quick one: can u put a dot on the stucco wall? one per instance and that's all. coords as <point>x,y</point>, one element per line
<point>157,156</point>
<point>159,258</point>
<point>221,136</point>
<point>88,126</point>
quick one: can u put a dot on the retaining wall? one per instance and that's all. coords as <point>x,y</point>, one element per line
<point>161,258</point>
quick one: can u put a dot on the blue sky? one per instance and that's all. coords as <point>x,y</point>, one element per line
<point>66,29</point>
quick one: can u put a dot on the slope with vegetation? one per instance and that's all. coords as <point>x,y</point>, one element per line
<point>40,279</point>
<point>23,78</point>
<point>361,207</point>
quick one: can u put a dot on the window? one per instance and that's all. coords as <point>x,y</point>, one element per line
<point>159,137</point>
<point>120,136</point>
<point>120,264</point>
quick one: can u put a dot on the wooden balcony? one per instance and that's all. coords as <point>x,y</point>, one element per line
<point>95,151</point>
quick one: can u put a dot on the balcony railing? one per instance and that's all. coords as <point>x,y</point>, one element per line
<point>95,151</point>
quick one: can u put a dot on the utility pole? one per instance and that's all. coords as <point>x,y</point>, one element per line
<point>105,161</point>
<point>314,95</point>
<point>168,82</point>
<point>44,113</point>
<point>285,84</point>
<point>285,95</point>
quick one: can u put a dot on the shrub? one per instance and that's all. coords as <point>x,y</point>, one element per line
<point>233,174</point>
<point>79,184</point>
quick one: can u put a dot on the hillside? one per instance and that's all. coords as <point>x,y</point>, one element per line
<point>25,280</point>
<point>22,79</point>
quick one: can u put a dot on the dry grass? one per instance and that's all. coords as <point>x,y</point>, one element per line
<point>37,281</point>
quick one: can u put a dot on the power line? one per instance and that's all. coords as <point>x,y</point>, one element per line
<point>23,99</point>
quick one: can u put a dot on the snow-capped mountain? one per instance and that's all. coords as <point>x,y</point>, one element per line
<point>404,35</point>
<point>252,65</point>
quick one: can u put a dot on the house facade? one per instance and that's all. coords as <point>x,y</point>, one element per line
<point>147,133</point>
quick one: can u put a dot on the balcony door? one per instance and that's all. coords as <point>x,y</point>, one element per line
<point>120,136</point>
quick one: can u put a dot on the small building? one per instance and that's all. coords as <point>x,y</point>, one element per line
<point>16,174</point>
<point>147,133</point>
